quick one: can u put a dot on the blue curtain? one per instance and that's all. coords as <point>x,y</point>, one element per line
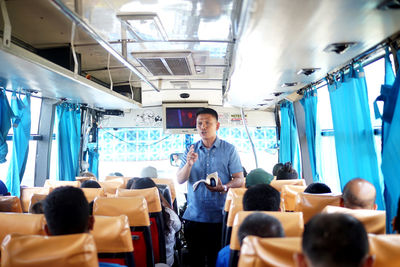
<point>93,159</point>
<point>68,140</point>
<point>289,143</point>
<point>313,132</point>
<point>390,140</point>
<point>21,136</point>
<point>6,114</point>
<point>355,150</point>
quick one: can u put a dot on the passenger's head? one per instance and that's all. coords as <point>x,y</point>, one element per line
<point>3,189</point>
<point>261,197</point>
<point>116,174</point>
<point>87,174</point>
<point>149,171</point>
<point>130,182</point>
<point>36,208</point>
<point>67,211</point>
<point>276,168</point>
<point>286,172</point>
<point>260,224</point>
<point>317,188</point>
<point>359,194</point>
<point>334,240</point>
<point>143,183</point>
<point>258,176</point>
<point>90,184</point>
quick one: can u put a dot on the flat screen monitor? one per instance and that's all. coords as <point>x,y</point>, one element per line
<point>180,119</point>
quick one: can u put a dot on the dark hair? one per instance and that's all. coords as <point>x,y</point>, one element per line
<point>260,224</point>
<point>130,182</point>
<point>317,188</point>
<point>143,183</point>
<point>335,240</point>
<point>286,172</point>
<point>37,208</point>
<point>261,197</point>
<point>90,184</point>
<point>276,168</point>
<point>396,224</point>
<point>207,111</point>
<point>244,172</point>
<point>67,211</point>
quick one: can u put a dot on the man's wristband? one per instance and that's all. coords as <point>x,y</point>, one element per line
<point>225,188</point>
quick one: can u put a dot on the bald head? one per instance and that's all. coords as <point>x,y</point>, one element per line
<point>359,194</point>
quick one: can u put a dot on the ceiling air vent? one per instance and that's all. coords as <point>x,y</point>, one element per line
<point>166,63</point>
<point>339,48</point>
<point>307,71</point>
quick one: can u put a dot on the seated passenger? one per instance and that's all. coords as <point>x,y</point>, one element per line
<point>359,194</point>
<point>87,174</point>
<point>3,189</point>
<point>261,197</point>
<point>149,171</point>
<point>171,220</point>
<point>90,184</point>
<point>258,176</point>
<point>130,182</point>
<point>317,188</point>
<point>37,208</point>
<point>276,168</point>
<point>258,224</point>
<point>286,172</point>
<point>67,212</point>
<point>334,240</point>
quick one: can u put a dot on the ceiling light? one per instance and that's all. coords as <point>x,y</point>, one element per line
<point>339,48</point>
<point>143,26</point>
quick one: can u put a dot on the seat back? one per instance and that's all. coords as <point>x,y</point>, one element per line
<point>278,184</point>
<point>10,204</point>
<point>113,239</point>
<point>110,187</point>
<point>288,196</point>
<point>28,192</point>
<point>172,190</point>
<point>135,208</point>
<point>257,252</point>
<point>235,207</point>
<point>55,184</point>
<point>152,197</point>
<point>92,193</point>
<point>21,223</point>
<point>232,193</point>
<point>311,204</point>
<point>36,198</point>
<point>374,221</point>
<point>118,179</point>
<point>386,249</point>
<point>78,250</point>
<point>85,178</point>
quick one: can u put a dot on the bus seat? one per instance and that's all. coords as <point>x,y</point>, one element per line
<point>288,196</point>
<point>374,221</point>
<point>138,216</point>
<point>257,252</point>
<point>27,192</point>
<point>10,204</point>
<point>232,192</point>
<point>55,184</point>
<point>113,239</point>
<point>21,223</point>
<point>386,249</point>
<point>170,183</point>
<point>78,250</point>
<point>92,193</point>
<point>292,223</point>
<point>152,197</point>
<point>85,178</point>
<point>110,187</point>
<point>119,179</point>
<point>165,192</point>
<point>311,204</point>
<point>278,184</point>
<point>36,198</point>
<point>235,207</point>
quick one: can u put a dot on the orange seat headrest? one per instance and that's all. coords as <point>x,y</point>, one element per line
<point>21,223</point>
<point>10,204</point>
<point>151,195</point>
<point>28,192</point>
<point>278,184</point>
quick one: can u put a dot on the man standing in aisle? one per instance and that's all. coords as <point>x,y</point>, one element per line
<point>203,216</point>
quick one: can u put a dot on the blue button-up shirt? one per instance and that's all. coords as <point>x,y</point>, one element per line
<point>222,157</point>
